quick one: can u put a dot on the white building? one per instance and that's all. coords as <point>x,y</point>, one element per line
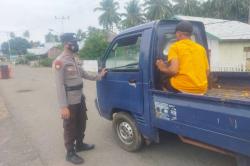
<point>229,43</point>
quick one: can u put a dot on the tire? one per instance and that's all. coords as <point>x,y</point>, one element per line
<point>126,132</point>
<point>242,160</point>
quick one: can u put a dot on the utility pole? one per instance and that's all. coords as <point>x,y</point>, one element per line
<point>62,19</point>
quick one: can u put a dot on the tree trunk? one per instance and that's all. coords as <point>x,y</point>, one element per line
<point>249,14</point>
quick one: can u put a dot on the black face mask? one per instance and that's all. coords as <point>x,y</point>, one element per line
<point>74,47</point>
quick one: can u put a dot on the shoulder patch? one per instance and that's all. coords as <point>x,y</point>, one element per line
<point>58,64</point>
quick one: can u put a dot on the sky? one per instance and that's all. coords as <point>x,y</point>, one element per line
<point>38,16</point>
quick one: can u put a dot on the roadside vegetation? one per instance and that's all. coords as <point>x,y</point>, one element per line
<point>95,40</point>
<point>34,61</point>
<point>137,13</point>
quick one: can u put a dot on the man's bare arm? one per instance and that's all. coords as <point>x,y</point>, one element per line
<point>171,70</point>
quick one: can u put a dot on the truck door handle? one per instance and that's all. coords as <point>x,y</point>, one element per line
<point>132,81</point>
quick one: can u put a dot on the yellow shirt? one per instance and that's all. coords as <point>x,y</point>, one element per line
<point>193,64</point>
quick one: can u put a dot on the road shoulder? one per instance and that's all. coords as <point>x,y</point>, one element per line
<point>16,150</point>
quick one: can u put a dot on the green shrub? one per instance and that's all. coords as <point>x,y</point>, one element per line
<point>21,61</point>
<point>26,59</point>
<point>30,57</point>
<point>46,62</point>
<point>95,44</point>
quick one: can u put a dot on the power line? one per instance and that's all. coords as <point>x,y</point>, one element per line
<point>62,20</point>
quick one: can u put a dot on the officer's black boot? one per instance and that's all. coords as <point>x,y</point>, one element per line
<point>80,146</point>
<point>73,157</point>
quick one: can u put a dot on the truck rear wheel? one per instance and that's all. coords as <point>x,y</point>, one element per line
<point>242,160</point>
<point>126,132</point>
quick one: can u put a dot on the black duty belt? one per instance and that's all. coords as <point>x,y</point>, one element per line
<point>71,88</point>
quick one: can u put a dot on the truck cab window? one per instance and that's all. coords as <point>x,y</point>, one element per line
<point>124,54</point>
<point>167,41</point>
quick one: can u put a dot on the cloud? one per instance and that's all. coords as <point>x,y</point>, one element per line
<point>38,16</point>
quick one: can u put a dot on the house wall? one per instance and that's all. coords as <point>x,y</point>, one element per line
<point>54,52</point>
<point>232,55</point>
<point>213,45</point>
<point>228,56</point>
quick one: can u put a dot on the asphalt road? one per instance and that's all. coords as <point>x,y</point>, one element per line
<point>31,100</point>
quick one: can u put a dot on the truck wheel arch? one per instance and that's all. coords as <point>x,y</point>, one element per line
<point>117,110</point>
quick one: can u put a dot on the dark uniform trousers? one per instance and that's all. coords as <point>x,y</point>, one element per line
<point>75,126</point>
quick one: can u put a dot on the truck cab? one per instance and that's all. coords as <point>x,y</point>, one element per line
<point>131,95</point>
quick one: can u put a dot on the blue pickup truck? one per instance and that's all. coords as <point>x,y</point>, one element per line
<point>131,96</point>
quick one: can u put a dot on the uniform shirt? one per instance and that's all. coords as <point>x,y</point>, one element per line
<point>68,73</point>
<point>193,66</point>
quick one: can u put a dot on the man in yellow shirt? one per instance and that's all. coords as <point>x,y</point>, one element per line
<point>187,63</point>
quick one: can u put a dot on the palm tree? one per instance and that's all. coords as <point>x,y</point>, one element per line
<point>109,16</point>
<point>246,3</point>
<point>249,13</point>
<point>133,15</point>
<point>12,35</point>
<point>26,34</point>
<point>233,10</point>
<point>80,34</point>
<point>206,9</point>
<point>187,7</point>
<point>50,38</point>
<point>158,9</point>
<point>237,10</point>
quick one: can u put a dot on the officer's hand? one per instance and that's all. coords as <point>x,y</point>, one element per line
<point>103,72</point>
<point>65,113</point>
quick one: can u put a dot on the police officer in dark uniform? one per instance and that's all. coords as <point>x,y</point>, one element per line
<point>69,85</point>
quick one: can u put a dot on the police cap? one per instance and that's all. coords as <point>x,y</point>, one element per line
<point>68,37</point>
<point>184,26</point>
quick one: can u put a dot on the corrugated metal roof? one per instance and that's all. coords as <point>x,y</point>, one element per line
<point>42,50</point>
<point>222,29</point>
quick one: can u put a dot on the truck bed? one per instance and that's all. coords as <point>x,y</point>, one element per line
<point>207,119</point>
<point>230,86</point>
<point>229,94</point>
